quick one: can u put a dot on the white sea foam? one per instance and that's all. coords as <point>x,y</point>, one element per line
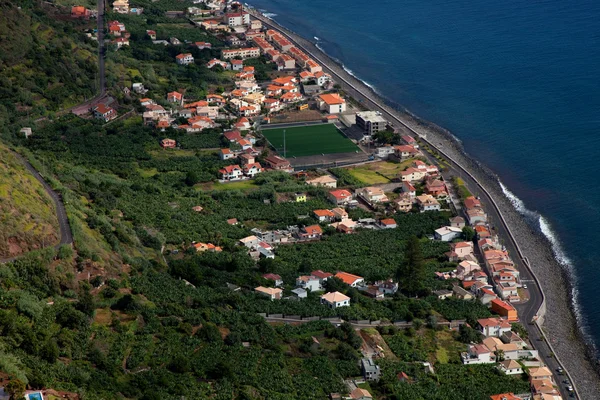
<point>559,253</point>
<point>269,15</point>
<point>348,70</point>
<point>316,38</point>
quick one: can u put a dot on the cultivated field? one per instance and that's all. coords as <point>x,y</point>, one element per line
<point>378,172</point>
<point>309,140</point>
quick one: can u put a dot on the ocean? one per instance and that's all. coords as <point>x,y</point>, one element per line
<point>518,82</point>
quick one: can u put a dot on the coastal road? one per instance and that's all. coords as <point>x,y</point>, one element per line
<point>66,237</point>
<point>356,89</point>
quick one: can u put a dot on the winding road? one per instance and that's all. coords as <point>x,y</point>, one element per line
<point>66,236</point>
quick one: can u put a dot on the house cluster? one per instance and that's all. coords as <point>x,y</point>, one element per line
<point>512,356</point>
<point>316,282</point>
<point>408,149</point>
<point>117,30</point>
<point>202,247</point>
<point>505,278</point>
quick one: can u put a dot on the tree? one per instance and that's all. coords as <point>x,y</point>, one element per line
<point>191,178</point>
<point>466,334</point>
<point>16,389</point>
<point>468,233</point>
<point>412,273</point>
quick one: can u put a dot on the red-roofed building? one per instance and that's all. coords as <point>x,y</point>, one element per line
<point>472,202</point>
<point>175,97</point>
<point>233,136</point>
<point>80,12</point>
<point>231,172</point>
<point>278,163</point>
<point>252,169</point>
<point>388,223</point>
<point>505,310</point>
<point>104,112</point>
<point>311,232</point>
<point>323,215</point>
<point>184,59</point>
<point>333,103</point>
<point>350,279</point>
<point>273,277</point>
<point>323,276</point>
<point>151,34</point>
<point>340,196</point>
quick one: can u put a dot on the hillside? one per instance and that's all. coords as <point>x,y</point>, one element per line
<point>47,63</point>
<point>27,216</point>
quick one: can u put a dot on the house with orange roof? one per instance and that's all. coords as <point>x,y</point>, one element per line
<point>472,202</point>
<point>543,386</point>
<point>311,232</point>
<point>323,215</point>
<point>102,111</point>
<point>231,172</point>
<point>271,104</point>
<point>215,61</point>
<point>274,277</point>
<point>340,196</point>
<point>291,97</point>
<point>226,154</point>
<point>184,58</point>
<point>202,247</point>
<point>458,251</point>
<point>252,169</point>
<point>388,223</point>
<point>243,124</point>
<point>120,42</point>
<point>285,62</point>
<point>335,300</point>
<point>404,151</point>
<point>163,124</point>
<point>333,103</point>
<point>312,66</point>
<point>505,310</point>
<point>306,76</point>
<point>271,293</point>
<point>175,97</point>
<point>322,78</point>
<point>350,279</point>
<point>80,12</point>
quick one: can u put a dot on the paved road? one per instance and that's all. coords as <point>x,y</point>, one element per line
<point>66,237</point>
<point>358,91</point>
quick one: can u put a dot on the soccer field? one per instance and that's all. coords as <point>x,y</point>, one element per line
<point>309,140</point>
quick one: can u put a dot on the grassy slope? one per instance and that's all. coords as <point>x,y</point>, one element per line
<point>310,140</point>
<point>27,215</point>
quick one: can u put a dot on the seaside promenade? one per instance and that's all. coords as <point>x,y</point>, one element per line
<point>557,320</point>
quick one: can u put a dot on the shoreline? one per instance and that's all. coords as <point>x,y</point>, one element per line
<point>560,323</point>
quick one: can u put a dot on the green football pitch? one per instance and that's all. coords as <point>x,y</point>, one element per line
<point>310,140</point>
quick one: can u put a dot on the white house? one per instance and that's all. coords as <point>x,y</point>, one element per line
<point>184,59</point>
<point>493,326</point>
<point>332,103</point>
<point>427,202</point>
<point>309,282</point>
<point>510,367</point>
<point>335,300</point>
<point>231,172</point>
<point>447,233</point>
<point>478,354</point>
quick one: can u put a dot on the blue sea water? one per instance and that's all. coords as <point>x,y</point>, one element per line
<point>518,82</point>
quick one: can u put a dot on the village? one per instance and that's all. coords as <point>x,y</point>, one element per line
<point>302,91</point>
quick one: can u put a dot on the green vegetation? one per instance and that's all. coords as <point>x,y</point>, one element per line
<point>27,214</point>
<point>47,64</point>
<point>310,140</point>
<point>461,188</point>
<point>133,311</point>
